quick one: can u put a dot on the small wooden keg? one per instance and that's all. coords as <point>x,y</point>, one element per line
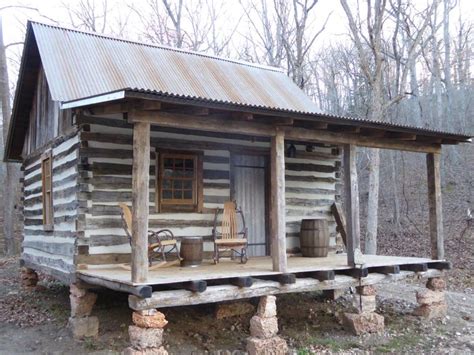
<point>314,237</point>
<point>191,251</point>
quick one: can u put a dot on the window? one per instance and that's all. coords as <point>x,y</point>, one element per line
<point>179,184</point>
<point>47,187</point>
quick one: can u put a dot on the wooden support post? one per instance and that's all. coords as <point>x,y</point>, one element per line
<point>351,203</point>
<point>140,200</point>
<point>277,205</point>
<point>434,200</point>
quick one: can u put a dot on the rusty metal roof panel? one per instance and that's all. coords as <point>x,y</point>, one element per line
<point>80,64</point>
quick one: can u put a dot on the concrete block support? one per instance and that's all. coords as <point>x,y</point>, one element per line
<point>263,338</point>
<point>146,335</point>
<point>81,323</point>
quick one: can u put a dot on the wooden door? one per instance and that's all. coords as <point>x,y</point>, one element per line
<point>249,176</point>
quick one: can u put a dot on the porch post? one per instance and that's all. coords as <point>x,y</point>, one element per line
<point>277,202</point>
<point>434,201</point>
<point>140,200</point>
<point>351,202</point>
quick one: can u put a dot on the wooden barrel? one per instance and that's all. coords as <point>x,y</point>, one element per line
<point>191,251</point>
<point>314,237</point>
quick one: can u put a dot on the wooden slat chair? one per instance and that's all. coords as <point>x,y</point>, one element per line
<point>229,238</point>
<point>157,241</point>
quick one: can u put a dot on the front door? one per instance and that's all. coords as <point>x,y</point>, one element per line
<point>249,191</point>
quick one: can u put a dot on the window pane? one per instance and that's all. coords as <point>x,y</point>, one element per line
<point>177,185</point>
<point>166,185</point>
<point>188,194</point>
<point>188,173</point>
<point>178,194</point>
<point>187,184</point>
<point>189,164</point>
<point>167,195</point>
<point>168,173</point>
<point>179,164</point>
<point>168,163</point>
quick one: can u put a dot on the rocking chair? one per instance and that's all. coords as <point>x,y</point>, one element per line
<point>157,241</point>
<point>229,238</point>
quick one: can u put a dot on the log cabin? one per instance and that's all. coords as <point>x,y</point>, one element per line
<point>96,119</point>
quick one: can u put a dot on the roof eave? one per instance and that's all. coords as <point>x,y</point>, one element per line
<point>137,93</point>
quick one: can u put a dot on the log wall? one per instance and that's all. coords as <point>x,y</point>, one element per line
<point>46,121</point>
<point>106,166</point>
<point>52,251</point>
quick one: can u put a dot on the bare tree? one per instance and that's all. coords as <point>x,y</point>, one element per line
<point>12,174</point>
<point>372,60</point>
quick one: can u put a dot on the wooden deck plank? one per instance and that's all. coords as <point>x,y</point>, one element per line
<point>257,266</point>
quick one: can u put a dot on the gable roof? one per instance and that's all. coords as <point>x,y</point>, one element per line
<point>79,65</point>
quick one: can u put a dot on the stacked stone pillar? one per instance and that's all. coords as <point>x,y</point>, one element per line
<point>264,329</point>
<point>81,323</point>
<point>432,302</point>
<point>29,278</point>
<point>365,320</point>
<point>146,335</point>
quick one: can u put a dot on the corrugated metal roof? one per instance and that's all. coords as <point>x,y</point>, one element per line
<point>79,64</point>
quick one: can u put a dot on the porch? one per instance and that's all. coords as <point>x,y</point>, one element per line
<point>207,283</point>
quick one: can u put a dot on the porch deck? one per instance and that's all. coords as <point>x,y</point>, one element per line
<point>255,267</point>
<point>169,287</point>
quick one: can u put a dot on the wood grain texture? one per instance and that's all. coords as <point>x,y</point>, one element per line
<point>277,202</point>
<point>435,206</point>
<point>352,202</point>
<point>140,200</point>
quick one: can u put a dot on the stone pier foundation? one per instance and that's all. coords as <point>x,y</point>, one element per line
<point>81,323</point>
<point>264,329</point>
<point>146,335</point>
<point>432,302</point>
<point>29,278</point>
<point>364,320</point>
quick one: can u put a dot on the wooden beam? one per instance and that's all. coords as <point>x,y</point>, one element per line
<point>219,124</point>
<point>245,281</point>
<point>193,286</point>
<point>388,269</point>
<point>110,109</point>
<point>440,265</point>
<point>420,267</point>
<point>302,134</point>
<point>338,214</point>
<point>140,200</point>
<point>401,135</point>
<point>212,124</point>
<point>143,291</point>
<point>277,202</point>
<point>340,128</point>
<point>323,275</point>
<point>435,209</point>
<point>244,116</point>
<point>351,203</point>
<point>147,105</point>
<point>220,293</point>
<point>355,272</point>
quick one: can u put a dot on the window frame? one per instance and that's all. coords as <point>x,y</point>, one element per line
<point>47,195</point>
<point>176,205</point>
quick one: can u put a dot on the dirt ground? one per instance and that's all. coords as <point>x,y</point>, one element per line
<point>36,322</point>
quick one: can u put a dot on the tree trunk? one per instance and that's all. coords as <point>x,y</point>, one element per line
<point>373,202</point>
<point>376,113</point>
<point>11,188</point>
